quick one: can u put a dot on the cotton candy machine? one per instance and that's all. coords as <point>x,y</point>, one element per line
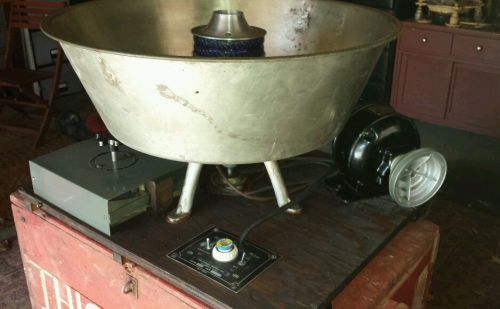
<point>136,61</point>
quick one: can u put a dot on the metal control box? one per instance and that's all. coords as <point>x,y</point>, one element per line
<point>79,180</point>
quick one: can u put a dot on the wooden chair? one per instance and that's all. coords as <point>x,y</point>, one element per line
<point>17,83</point>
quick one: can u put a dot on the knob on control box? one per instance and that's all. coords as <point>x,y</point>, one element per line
<point>225,250</point>
<point>215,255</point>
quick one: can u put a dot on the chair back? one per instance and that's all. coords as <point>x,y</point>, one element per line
<point>28,14</point>
<point>16,79</point>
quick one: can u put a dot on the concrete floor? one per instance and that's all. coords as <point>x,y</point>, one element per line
<point>13,289</point>
<point>467,272</point>
<point>474,164</point>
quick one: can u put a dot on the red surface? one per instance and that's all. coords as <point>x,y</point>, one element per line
<point>399,275</point>
<point>95,124</point>
<point>466,46</point>
<point>471,98</point>
<point>429,42</point>
<point>65,269</point>
<point>418,73</point>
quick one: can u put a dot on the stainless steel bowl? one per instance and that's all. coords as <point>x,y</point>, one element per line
<point>134,58</point>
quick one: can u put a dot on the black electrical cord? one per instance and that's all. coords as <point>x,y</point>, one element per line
<point>300,197</point>
<point>230,190</point>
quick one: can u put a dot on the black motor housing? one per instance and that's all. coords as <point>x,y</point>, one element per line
<point>363,151</point>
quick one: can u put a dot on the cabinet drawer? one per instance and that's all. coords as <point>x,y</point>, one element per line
<point>68,84</point>
<point>477,48</point>
<point>430,42</point>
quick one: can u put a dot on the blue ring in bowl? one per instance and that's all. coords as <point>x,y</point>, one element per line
<point>228,48</point>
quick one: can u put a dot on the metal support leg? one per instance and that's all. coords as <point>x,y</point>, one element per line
<point>279,187</point>
<point>183,210</point>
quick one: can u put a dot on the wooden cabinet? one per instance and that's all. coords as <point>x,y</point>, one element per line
<point>449,76</point>
<point>480,109</point>
<point>423,72</point>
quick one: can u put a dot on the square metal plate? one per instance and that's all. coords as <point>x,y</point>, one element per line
<point>233,275</point>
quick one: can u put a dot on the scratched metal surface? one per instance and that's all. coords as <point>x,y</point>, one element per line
<point>135,61</point>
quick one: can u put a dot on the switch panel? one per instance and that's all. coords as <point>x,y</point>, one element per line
<point>197,254</point>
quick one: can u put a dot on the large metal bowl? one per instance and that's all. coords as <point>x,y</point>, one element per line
<point>134,58</point>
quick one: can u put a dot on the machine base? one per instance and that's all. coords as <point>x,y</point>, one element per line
<point>320,252</point>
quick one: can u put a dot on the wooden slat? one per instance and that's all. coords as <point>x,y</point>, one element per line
<point>34,10</point>
<point>25,25</point>
<point>23,103</point>
<point>18,129</point>
<point>26,17</point>
<point>39,3</point>
<point>22,77</point>
<point>29,14</point>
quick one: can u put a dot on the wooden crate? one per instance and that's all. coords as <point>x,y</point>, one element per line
<point>399,276</point>
<point>65,268</point>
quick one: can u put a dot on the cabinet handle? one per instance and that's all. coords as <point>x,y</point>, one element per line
<point>479,48</point>
<point>424,40</point>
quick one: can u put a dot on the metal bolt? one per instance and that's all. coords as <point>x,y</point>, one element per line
<point>128,287</point>
<point>208,243</point>
<point>113,143</point>
<point>424,40</point>
<point>242,260</point>
<point>479,48</point>
<point>33,178</point>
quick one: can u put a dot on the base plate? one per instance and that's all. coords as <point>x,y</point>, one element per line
<point>233,275</point>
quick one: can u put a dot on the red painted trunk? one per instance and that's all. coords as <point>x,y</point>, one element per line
<point>66,269</point>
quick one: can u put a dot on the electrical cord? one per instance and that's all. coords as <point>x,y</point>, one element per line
<point>250,197</point>
<point>293,187</point>
<point>298,199</point>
